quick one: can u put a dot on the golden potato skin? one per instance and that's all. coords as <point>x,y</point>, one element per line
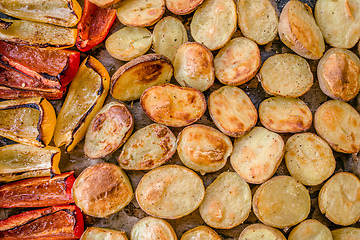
<point>346,233</point>
<point>182,7</point>
<point>96,233</point>
<point>338,123</point>
<point>102,189</point>
<point>152,228</point>
<point>260,231</point>
<point>232,111</point>
<point>339,199</point>
<point>172,105</point>
<point>339,74</point>
<point>108,130</point>
<point>199,233</point>
<point>298,30</point>
<point>203,148</point>
<point>310,229</point>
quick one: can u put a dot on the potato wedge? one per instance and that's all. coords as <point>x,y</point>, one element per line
<point>128,43</point>
<point>134,77</point>
<point>66,13</point>
<point>170,191</point>
<point>140,13</point>
<point>310,228</point>
<point>339,22</point>
<point>232,111</point>
<point>214,22</point>
<point>193,66</point>
<point>152,228</point>
<point>168,34</point>
<point>36,34</point>
<point>148,148</point>
<point>200,232</point>
<point>172,105</point>
<point>286,75</point>
<point>281,202</point>
<point>237,62</point>
<point>338,123</point>
<point>347,233</point>
<point>285,115</point>
<point>182,7</point>
<point>19,161</point>
<point>260,231</point>
<point>108,130</point>
<point>339,199</point>
<point>96,233</point>
<point>257,20</point>
<point>298,30</point>
<point>227,201</point>
<point>338,73</point>
<point>102,189</point>
<point>85,97</point>
<point>29,121</point>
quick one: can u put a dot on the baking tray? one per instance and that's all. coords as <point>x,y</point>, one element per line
<point>124,220</point>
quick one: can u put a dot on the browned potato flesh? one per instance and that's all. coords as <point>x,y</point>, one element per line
<point>339,74</point>
<point>260,231</point>
<point>182,7</point>
<point>339,124</point>
<point>134,77</point>
<point>285,115</point>
<point>237,62</point>
<point>108,130</point>
<point>147,148</point>
<point>203,148</point>
<point>232,111</point>
<point>199,233</point>
<point>310,229</point>
<point>347,233</point>
<point>96,233</point>
<point>152,228</point>
<point>339,199</point>
<point>173,105</point>
<point>193,66</point>
<point>170,191</point>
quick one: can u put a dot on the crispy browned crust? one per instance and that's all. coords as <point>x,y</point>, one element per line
<point>182,7</point>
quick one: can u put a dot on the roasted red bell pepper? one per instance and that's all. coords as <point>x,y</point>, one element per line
<point>94,25</point>
<point>11,93</point>
<point>57,222</point>
<point>38,192</point>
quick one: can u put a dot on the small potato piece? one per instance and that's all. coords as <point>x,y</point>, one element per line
<point>347,233</point>
<point>182,7</point>
<point>129,43</point>
<point>105,3</point>
<point>172,105</point>
<point>339,22</point>
<point>170,191</point>
<point>168,34</point>
<point>257,20</point>
<point>140,13</point>
<point>260,231</point>
<point>232,111</point>
<point>338,123</point>
<point>281,202</point>
<point>339,74</point>
<point>309,158</point>
<point>213,23</point>
<point>97,233</point>
<point>193,66</point>
<point>339,199</point>
<point>108,130</point>
<point>237,62</point>
<point>132,78</point>
<point>200,233</point>
<point>285,115</point>
<point>286,75</point>
<point>298,30</point>
<point>310,229</point>
<point>227,201</point>
<point>148,148</point>
<point>203,148</point>
<point>102,189</point>
<point>257,155</point>
<point>152,228</point>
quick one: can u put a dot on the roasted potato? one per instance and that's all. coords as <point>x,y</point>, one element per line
<point>106,3</point>
<point>182,7</point>
<point>260,231</point>
<point>347,233</point>
<point>96,233</point>
<point>152,228</point>
<point>199,233</point>
<point>310,228</point>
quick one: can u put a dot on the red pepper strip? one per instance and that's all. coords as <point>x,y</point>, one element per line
<point>38,192</point>
<point>94,26</point>
<point>58,65</point>
<point>57,222</point>
<point>10,93</point>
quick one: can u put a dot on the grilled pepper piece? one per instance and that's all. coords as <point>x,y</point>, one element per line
<point>30,121</point>
<point>94,26</point>
<point>85,97</point>
<point>38,192</point>
<point>57,222</point>
<point>20,161</point>
<point>65,13</point>
<point>57,65</point>
<point>36,34</point>
<point>11,93</point>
